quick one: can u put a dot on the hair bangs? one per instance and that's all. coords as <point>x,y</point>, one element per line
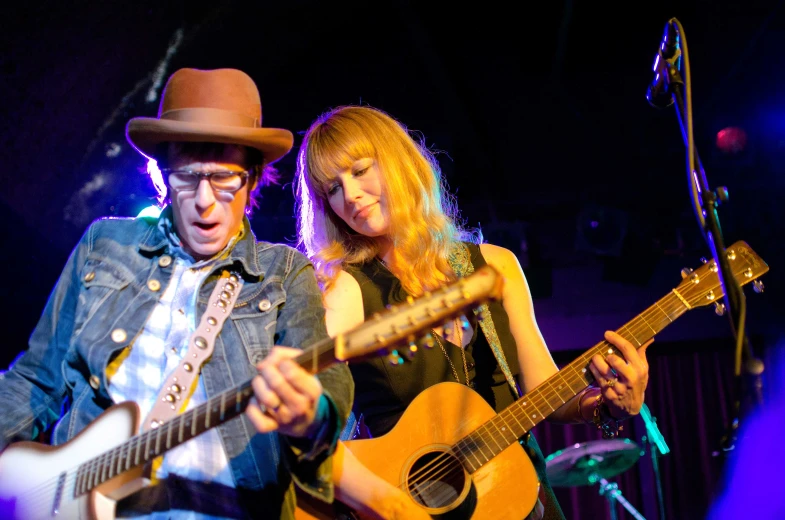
<point>333,147</point>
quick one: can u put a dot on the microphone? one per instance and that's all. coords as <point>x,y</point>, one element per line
<point>667,59</point>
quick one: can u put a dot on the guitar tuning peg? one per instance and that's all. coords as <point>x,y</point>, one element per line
<point>686,271</point>
<point>757,286</point>
<point>428,341</point>
<point>394,358</point>
<point>704,260</point>
<point>719,308</point>
<point>464,323</point>
<point>411,350</point>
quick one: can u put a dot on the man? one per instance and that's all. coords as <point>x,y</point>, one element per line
<point>120,320</point>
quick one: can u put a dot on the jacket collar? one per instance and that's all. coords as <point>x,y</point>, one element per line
<point>244,251</point>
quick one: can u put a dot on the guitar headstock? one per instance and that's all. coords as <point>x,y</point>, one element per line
<point>702,286</point>
<point>402,325</point>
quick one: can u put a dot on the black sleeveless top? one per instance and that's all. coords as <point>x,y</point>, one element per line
<point>383,391</point>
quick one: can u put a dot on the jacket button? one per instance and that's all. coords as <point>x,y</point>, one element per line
<point>89,277</point>
<point>154,285</point>
<point>95,382</point>
<point>119,335</point>
<point>265,305</point>
<point>165,261</point>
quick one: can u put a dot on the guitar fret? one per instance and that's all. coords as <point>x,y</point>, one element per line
<point>508,412</point>
<point>560,389</point>
<point>223,409</point>
<point>102,477</point>
<point>533,416</point>
<point>492,435</point>
<point>543,398</point>
<point>181,420</point>
<point>128,459</point>
<point>631,335</point>
<point>653,330</point>
<point>193,424</point>
<point>523,403</point>
<point>168,435</point>
<point>480,446</point>
<point>157,433</point>
<point>584,376</point>
<point>117,467</point>
<point>469,447</point>
<point>91,477</point>
<point>505,430</point>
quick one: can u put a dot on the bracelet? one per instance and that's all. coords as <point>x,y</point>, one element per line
<point>609,427</point>
<point>580,402</point>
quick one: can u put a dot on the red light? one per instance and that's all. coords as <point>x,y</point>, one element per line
<point>731,139</point>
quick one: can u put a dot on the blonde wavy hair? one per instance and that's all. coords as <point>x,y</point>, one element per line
<point>424,219</point>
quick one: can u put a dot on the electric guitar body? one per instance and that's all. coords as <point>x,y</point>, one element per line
<point>43,481</point>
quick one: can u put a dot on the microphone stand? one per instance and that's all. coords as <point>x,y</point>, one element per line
<point>705,203</point>
<point>658,448</point>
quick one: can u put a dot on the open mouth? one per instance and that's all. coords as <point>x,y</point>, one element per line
<point>204,226</point>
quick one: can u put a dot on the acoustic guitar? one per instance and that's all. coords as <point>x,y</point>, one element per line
<point>458,459</point>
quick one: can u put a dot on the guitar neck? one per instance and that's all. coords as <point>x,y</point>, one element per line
<point>510,424</point>
<point>215,411</point>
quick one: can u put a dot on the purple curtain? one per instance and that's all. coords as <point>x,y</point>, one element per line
<point>691,387</point>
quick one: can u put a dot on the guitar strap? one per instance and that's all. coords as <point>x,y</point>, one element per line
<point>180,384</point>
<point>461,264</point>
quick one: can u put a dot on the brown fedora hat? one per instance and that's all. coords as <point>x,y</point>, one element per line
<point>218,106</point>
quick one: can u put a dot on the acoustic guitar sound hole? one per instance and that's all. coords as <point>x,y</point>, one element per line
<point>436,480</point>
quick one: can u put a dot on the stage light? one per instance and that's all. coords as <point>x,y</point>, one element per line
<point>731,140</point>
<point>149,211</point>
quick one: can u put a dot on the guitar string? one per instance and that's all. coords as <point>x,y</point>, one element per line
<point>451,463</point>
<point>655,309</point>
<point>103,457</point>
<point>102,467</point>
<point>201,413</point>
<point>95,463</point>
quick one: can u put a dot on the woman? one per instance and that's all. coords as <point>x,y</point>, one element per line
<point>376,220</point>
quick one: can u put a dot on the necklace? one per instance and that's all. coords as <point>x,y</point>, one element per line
<point>463,357</point>
<point>458,333</point>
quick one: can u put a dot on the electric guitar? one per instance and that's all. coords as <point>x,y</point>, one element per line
<point>85,477</point>
<point>458,459</point>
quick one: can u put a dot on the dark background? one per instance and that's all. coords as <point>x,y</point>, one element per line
<point>539,117</point>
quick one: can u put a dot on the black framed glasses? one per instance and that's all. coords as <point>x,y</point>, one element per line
<point>188,180</point>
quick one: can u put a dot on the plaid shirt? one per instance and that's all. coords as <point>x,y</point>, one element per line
<point>156,353</point>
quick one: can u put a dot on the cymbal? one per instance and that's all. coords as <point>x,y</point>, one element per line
<point>585,463</point>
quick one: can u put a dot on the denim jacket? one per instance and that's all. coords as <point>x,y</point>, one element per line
<point>101,302</point>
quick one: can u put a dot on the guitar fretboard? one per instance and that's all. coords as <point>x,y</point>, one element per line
<point>504,429</point>
<point>215,411</point>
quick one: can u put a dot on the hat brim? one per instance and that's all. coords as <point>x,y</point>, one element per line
<point>146,133</point>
